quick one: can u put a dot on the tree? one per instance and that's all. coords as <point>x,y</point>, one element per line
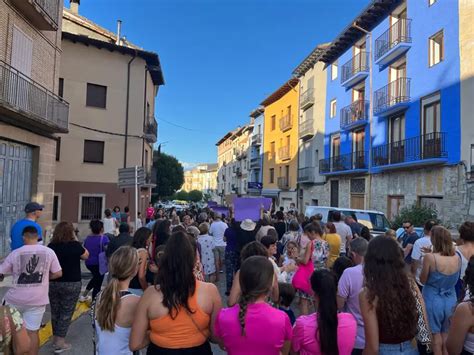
<point>416,214</point>
<point>181,196</point>
<point>195,195</point>
<point>169,175</point>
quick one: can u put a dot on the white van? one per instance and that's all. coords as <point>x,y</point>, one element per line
<point>374,220</point>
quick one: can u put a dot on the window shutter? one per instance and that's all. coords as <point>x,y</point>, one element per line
<point>22,52</point>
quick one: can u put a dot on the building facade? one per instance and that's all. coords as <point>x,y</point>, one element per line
<point>280,142</point>
<point>111,85</point>
<point>312,107</point>
<point>31,112</point>
<point>202,178</point>
<point>399,126</point>
<point>254,184</point>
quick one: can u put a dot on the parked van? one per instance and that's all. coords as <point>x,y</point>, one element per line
<point>374,220</point>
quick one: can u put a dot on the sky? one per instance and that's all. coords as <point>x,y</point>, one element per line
<point>220,58</point>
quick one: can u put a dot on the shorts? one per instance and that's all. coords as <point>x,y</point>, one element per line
<point>32,316</point>
<point>219,253</point>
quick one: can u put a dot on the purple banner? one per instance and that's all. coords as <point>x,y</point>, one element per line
<point>211,204</point>
<point>247,208</point>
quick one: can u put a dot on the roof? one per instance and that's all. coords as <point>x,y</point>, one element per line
<point>277,95</point>
<point>257,112</point>
<point>228,134</point>
<point>310,60</point>
<point>151,58</point>
<point>368,18</point>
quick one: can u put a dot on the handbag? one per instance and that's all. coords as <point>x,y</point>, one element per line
<point>423,334</point>
<point>303,274</point>
<point>8,347</point>
<point>103,265</point>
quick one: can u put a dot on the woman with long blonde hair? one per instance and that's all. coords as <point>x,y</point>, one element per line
<point>116,305</point>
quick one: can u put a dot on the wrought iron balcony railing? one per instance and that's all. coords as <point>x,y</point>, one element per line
<point>427,146</point>
<point>25,96</point>
<point>255,162</point>
<point>307,98</point>
<point>358,63</point>
<point>284,153</point>
<point>151,130</point>
<point>399,32</point>
<point>357,112</point>
<point>44,14</point>
<point>396,92</point>
<point>283,183</point>
<point>344,162</point>
<point>306,174</point>
<point>257,139</point>
<point>286,123</point>
<point>306,128</point>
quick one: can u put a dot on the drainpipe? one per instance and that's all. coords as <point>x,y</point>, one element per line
<point>127,109</point>
<point>298,148</point>
<point>144,118</point>
<point>371,110</point>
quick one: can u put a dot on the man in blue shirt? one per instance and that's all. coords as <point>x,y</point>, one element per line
<point>33,212</point>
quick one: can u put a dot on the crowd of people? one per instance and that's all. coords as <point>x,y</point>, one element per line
<point>292,285</point>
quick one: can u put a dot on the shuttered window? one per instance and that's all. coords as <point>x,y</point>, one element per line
<point>93,152</point>
<point>96,96</point>
<point>22,52</point>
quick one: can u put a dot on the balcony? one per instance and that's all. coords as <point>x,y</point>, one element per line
<point>286,123</point>
<point>421,150</point>
<point>306,175</point>
<point>307,99</point>
<point>255,162</point>
<point>257,139</point>
<point>355,70</point>
<point>30,104</point>
<point>151,130</point>
<point>284,153</point>
<point>238,172</point>
<point>354,115</point>
<point>283,183</point>
<point>392,98</point>
<point>240,153</point>
<point>306,129</point>
<point>393,42</point>
<point>355,162</point>
<point>42,13</point>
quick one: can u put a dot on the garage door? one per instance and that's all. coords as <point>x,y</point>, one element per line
<point>15,187</point>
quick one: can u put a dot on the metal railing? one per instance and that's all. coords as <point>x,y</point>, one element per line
<point>306,174</point>
<point>26,95</point>
<point>284,153</point>
<point>283,183</point>
<point>396,92</point>
<point>50,7</point>
<point>357,111</point>
<point>285,123</point>
<point>306,128</point>
<point>427,146</point>
<point>257,139</point>
<point>255,162</point>
<point>358,63</point>
<point>151,129</point>
<point>344,162</point>
<point>307,98</point>
<point>399,32</point>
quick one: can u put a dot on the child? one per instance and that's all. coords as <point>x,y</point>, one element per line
<point>139,223</point>
<point>289,261</point>
<point>207,252</point>
<point>287,294</point>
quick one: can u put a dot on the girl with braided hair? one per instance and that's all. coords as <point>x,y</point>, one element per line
<point>252,326</point>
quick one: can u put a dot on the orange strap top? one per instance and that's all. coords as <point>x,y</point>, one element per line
<point>186,330</point>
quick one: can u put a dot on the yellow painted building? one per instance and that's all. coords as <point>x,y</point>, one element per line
<point>280,139</point>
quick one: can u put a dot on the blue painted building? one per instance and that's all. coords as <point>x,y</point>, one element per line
<point>254,184</point>
<point>393,121</point>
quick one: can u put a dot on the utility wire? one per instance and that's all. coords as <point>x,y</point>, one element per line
<point>104,132</point>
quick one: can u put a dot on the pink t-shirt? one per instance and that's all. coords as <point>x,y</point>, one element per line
<point>304,334</point>
<point>266,330</point>
<point>30,266</point>
<point>150,211</point>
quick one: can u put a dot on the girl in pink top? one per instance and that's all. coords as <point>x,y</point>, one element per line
<point>252,327</point>
<point>324,332</point>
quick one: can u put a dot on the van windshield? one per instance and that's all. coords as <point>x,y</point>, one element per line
<point>373,221</point>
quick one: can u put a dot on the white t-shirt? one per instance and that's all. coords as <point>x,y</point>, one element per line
<point>345,232</point>
<point>109,225</point>
<point>217,231</point>
<point>417,254</point>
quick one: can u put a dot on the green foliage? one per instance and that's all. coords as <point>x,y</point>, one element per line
<point>416,214</point>
<point>169,175</point>
<point>195,195</point>
<point>181,196</point>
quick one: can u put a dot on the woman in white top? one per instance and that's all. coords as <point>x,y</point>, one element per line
<point>466,250</point>
<point>110,223</point>
<point>461,333</point>
<point>116,305</point>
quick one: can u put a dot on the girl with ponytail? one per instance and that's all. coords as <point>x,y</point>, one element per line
<point>115,305</point>
<point>324,332</point>
<point>252,326</point>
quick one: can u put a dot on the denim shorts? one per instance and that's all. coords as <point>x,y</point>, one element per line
<point>405,348</point>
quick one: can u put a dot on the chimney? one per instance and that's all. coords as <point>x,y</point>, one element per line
<point>74,6</point>
<point>119,30</point>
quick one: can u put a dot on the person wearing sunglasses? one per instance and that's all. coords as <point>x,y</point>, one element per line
<point>407,240</point>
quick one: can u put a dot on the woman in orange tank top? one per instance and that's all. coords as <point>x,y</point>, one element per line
<point>179,312</point>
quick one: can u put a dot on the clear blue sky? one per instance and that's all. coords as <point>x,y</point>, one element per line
<point>220,58</point>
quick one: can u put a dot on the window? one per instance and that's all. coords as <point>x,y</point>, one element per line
<point>272,176</point>
<point>96,96</point>
<point>334,71</point>
<point>61,87</point>
<point>395,203</point>
<point>472,158</point>
<point>56,207</point>
<point>272,150</point>
<point>93,152</point>
<point>333,106</point>
<point>91,207</point>
<point>335,145</point>
<point>273,122</point>
<point>22,52</point>
<point>58,148</point>
<point>436,49</point>
<point>431,111</point>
